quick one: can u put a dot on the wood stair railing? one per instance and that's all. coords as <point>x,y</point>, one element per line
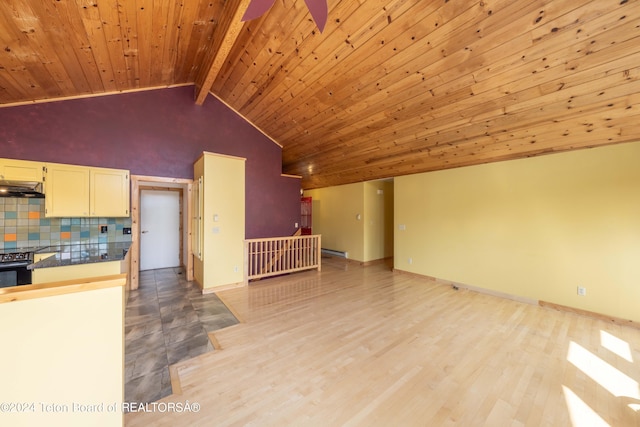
<point>281,255</point>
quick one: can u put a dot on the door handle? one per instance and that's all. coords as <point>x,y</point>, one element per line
<point>144,231</point>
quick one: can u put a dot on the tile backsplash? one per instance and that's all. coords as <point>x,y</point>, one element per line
<point>23,225</point>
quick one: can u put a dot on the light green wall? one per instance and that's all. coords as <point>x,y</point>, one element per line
<point>388,218</point>
<point>378,220</point>
<point>334,216</point>
<point>536,228</point>
<point>365,238</point>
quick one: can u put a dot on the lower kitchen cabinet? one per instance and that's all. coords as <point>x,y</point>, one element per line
<point>75,272</point>
<point>60,268</point>
<point>63,355</point>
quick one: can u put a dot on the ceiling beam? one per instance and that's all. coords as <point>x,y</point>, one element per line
<point>227,33</point>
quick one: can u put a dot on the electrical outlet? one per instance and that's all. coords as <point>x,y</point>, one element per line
<point>103,228</point>
<point>582,291</point>
<point>126,230</point>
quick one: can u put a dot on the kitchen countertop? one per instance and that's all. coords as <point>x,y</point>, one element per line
<point>26,292</point>
<point>64,255</point>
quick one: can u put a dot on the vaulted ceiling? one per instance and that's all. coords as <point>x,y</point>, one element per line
<point>390,87</point>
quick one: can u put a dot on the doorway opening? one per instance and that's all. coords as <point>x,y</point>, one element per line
<point>161,226</point>
<point>148,183</point>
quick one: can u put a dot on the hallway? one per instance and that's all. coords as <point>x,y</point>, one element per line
<point>166,321</point>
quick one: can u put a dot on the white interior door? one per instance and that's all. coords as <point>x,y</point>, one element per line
<point>159,229</point>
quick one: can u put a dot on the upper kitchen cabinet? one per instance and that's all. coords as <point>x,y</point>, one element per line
<point>79,191</point>
<point>21,170</point>
<point>109,192</point>
<point>66,190</point>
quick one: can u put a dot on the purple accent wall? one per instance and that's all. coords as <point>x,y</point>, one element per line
<point>157,133</point>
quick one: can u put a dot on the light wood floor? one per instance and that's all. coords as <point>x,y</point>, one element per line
<point>363,346</point>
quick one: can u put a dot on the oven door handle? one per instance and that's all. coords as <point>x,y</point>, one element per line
<point>8,265</point>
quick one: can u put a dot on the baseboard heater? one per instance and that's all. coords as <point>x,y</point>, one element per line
<point>334,253</point>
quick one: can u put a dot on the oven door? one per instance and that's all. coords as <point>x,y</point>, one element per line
<point>14,276</point>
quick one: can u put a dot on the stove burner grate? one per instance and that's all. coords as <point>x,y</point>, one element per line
<point>15,256</point>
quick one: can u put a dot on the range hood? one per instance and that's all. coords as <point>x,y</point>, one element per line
<point>21,189</point>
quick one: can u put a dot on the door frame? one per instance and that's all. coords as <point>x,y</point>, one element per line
<point>141,182</point>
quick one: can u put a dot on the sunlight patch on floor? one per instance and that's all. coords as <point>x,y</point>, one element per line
<point>581,414</point>
<point>614,381</point>
<point>616,345</point>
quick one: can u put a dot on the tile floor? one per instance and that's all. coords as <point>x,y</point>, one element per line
<point>166,321</point>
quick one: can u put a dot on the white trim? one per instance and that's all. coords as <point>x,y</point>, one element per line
<point>245,119</point>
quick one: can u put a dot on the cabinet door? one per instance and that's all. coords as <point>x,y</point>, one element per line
<point>196,241</point>
<point>109,192</point>
<point>66,191</point>
<point>21,170</point>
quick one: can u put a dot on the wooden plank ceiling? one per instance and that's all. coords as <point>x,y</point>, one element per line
<point>391,87</point>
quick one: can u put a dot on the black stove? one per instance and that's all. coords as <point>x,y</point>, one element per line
<point>16,256</point>
<point>13,268</point>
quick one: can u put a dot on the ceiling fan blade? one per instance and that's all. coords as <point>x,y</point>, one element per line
<point>319,12</point>
<point>256,9</point>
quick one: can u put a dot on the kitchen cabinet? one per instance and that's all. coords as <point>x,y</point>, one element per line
<point>21,170</point>
<point>79,191</point>
<point>77,271</point>
<point>65,345</point>
<point>219,221</point>
<point>66,191</point>
<point>196,239</point>
<point>109,192</point>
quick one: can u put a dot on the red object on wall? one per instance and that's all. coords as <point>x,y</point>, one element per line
<point>305,216</point>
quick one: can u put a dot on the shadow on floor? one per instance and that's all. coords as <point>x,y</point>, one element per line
<point>166,321</point>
